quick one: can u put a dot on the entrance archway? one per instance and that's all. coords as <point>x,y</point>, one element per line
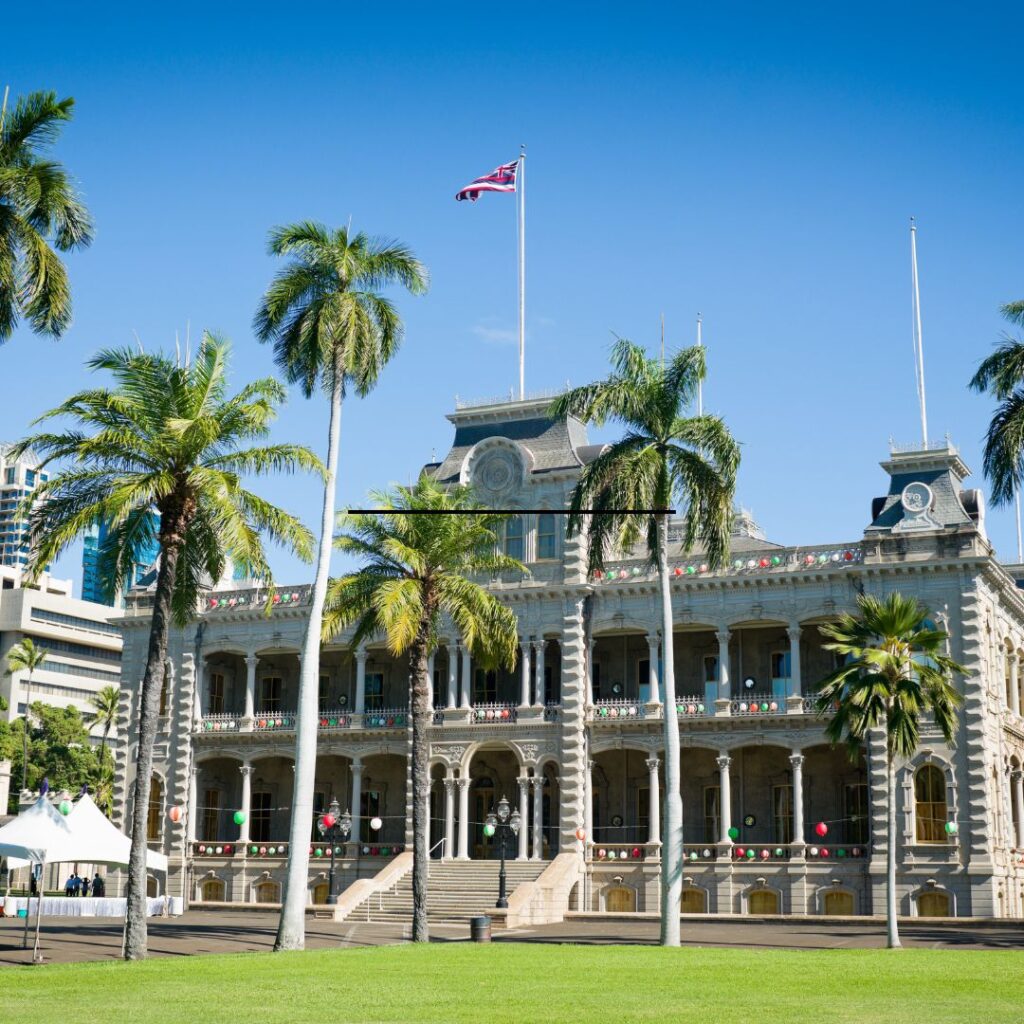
<point>933,904</point>
<point>839,903</point>
<point>620,900</point>
<point>693,901</point>
<point>764,901</point>
<point>493,773</point>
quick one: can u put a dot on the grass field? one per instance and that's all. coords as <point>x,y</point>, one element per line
<point>523,983</point>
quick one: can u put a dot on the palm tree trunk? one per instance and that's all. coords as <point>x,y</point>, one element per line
<point>890,853</point>
<point>152,684</point>
<point>421,711</point>
<point>291,930</point>
<point>672,839</point>
<point>24,739</point>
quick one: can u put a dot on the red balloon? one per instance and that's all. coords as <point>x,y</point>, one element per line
<point>740,852</point>
<point>821,828</point>
<point>636,852</point>
<point>174,814</point>
<point>823,852</point>
<point>328,820</point>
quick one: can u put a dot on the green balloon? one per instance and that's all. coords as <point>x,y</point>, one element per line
<point>734,832</point>
<point>778,851</point>
<point>488,830</point>
<point>951,828</point>
<point>64,807</point>
<point>239,817</point>
<point>254,849</point>
<point>318,852</point>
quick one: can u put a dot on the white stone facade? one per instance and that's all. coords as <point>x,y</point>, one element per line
<point>572,734</point>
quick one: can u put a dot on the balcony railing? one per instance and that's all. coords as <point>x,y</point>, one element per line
<point>225,722</point>
<point>758,704</point>
<point>335,720</point>
<point>273,721</point>
<point>602,852</point>
<point>495,713</point>
<point>271,849</point>
<point>386,718</point>
<point>616,710</point>
<point>256,597</point>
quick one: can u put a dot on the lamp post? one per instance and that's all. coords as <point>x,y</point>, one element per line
<point>500,820</point>
<point>334,826</point>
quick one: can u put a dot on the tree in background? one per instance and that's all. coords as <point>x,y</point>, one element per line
<point>39,207</point>
<point>894,670</point>
<point>168,436</point>
<point>665,456</point>
<point>331,328</point>
<point>24,656</point>
<point>416,573</point>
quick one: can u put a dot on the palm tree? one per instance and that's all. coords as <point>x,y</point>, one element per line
<point>416,571</point>
<point>665,456</point>
<point>104,714</point>
<point>330,328</point>
<point>39,206</point>
<point>893,670</point>
<point>1002,376</point>
<point>166,436</point>
<point>24,656</point>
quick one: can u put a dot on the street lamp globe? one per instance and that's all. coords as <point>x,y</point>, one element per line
<point>503,809</point>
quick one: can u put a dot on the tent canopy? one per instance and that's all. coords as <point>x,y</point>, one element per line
<point>35,834</point>
<point>42,835</point>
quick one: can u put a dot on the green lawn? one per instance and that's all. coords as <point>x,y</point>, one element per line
<point>525,983</point>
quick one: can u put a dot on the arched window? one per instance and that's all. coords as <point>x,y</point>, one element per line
<point>546,547</point>
<point>930,804</point>
<point>513,540</point>
<point>211,890</point>
<point>267,891</point>
<point>154,819</point>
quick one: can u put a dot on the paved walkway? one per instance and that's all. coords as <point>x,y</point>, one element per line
<point>65,940</point>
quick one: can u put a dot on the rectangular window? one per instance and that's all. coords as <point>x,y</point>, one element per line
<point>259,818</point>
<point>270,694</point>
<point>855,798</point>
<point>710,668</point>
<point>211,814</point>
<point>216,693</point>
<point>30,478</point>
<point>374,691</point>
<point>485,687</point>
<point>370,805</point>
<point>595,676</point>
<point>514,538</point>
<point>9,475</point>
<point>325,693</point>
<point>546,536</point>
<point>643,679</point>
<point>712,814</point>
<point>643,814</point>
<point>782,813</point>
<point>780,664</point>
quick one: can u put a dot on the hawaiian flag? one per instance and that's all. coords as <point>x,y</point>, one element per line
<point>501,179</point>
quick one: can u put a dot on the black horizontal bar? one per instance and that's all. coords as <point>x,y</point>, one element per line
<point>513,511</point>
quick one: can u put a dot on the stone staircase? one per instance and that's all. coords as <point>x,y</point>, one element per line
<point>457,891</point>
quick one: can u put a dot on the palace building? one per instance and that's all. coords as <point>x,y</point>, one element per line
<point>776,821</point>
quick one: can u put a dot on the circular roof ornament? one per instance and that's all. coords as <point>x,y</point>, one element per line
<point>917,498</point>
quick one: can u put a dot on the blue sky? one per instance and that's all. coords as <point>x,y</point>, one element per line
<point>757,165</point>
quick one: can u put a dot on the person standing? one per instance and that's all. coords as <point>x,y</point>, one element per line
<point>99,887</point>
<point>85,886</point>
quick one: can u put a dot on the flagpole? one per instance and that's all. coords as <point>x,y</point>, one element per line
<point>918,344</point>
<point>1020,546</point>
<point>521,189</point>
<point>700,383</point>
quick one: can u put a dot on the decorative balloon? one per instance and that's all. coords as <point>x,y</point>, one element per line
<point>734,832</point>
<point>327,821</point>
<point>64,807</point>
<point>174,814</point>
<point>376,824</point>
<point>488,831</point>
<point>951,828</point>
<point>821,828</point>
<point>751,854</point>
<point>239,817</point>
<point>581,834</point>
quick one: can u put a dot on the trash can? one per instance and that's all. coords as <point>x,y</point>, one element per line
<point>480,929</point>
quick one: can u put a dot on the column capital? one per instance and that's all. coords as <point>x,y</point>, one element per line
<point>723,635</point>
<point>794,631</point>
<point>723,761</point>
<point>1016,774</point>
<point>356,765</point>
<point>524,781</point>
<point>449,783</point>
<point>653,763</point>
<point>252,659</point>
<point>654,638</point>
<point>463,784</point>
<point>361,653</point>
<point>246,769</point>
<point>796,760</point>
<point>537,781</point>
<point>538,644</point>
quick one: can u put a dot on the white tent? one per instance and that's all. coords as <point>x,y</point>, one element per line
<point>94,838</point>
<point>36,834</point>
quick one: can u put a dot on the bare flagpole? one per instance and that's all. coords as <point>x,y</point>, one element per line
<point>521,206</point>
<point>700,383</point>
<point>918,344</point>
<point>1020,546</point>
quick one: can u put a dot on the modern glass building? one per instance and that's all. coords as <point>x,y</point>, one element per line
<point>95,539</point>
<point>18,478</point>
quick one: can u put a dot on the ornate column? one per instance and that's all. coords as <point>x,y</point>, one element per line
<point>449,817</point>
<point>590,672</point>
<point>243,829</point>
<point>251,662</point>
<point>1014,684</point>
<point>588,806</point>
<point>463,785</point>
<point>193,806</point>
<point>724,636</point>
<point>467,677</point>
<point>795,680</point>
<point>453,673</point>
<point>525,649</point>
<point>796,760</point>
<point>654,802</point>
<point>725,796</point>
<point>538,816</point>
<point>524,817</point>
<point>652,660</point>
<point>538,673</point>
<point>360,680</point>
<point>357,797</point>
<point>1018,778</point>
